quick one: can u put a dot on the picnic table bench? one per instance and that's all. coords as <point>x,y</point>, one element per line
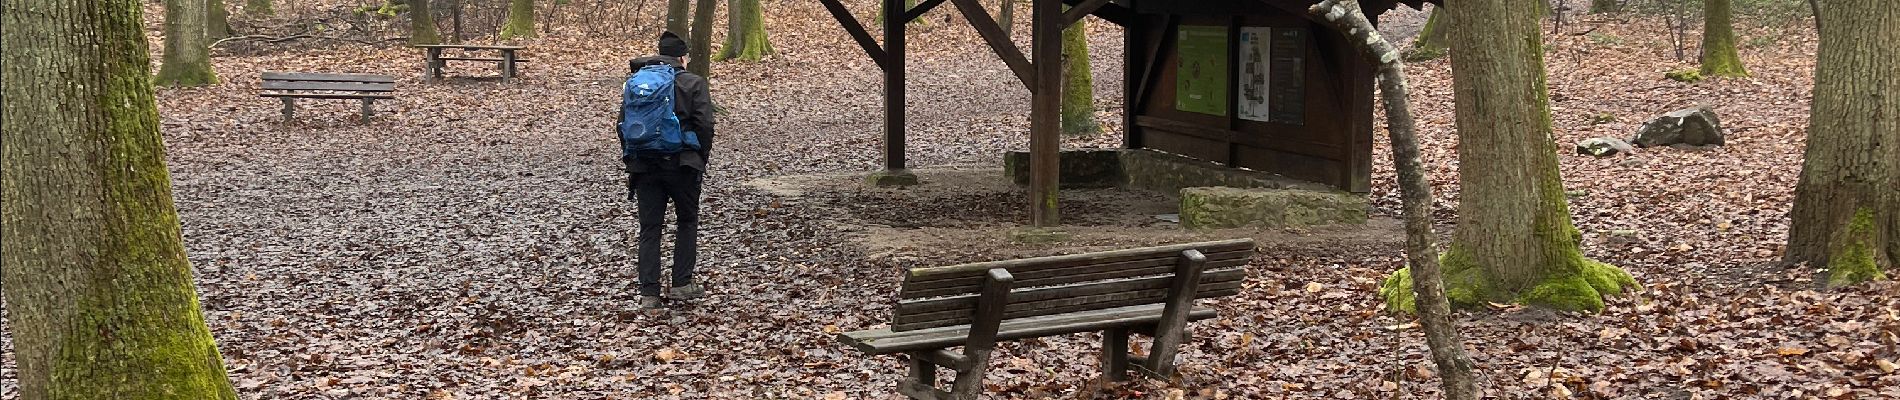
<point>290,86</point>
<point>1149,291</point>
<point>505,63</point>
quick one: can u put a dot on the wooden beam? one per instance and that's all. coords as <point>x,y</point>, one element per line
<point>920,9</point>
<point>1113,13</point>
<point>1045,113</point>
<point>1161,48</point>
<point>1078,11</point>
<point>998,39</point>
<point>851,25</point>
<point>894,91</point>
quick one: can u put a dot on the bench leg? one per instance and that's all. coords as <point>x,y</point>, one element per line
<point>1115,354</point>
<point>507,65</point>
<point>433,71</point>
<point>921,384</point>
<point>369,108</point>
<point>290,107</point>
<point>970,380</point>
<point>1172,330</point>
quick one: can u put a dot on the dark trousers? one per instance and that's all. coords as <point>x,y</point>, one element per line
<point>652,190</point>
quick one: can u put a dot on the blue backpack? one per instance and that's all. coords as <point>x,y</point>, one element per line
<point>648,124</point>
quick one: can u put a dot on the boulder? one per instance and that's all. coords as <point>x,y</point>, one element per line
<point>1692,126</point>
<point>1226,207</point>
<point>1603,147</point>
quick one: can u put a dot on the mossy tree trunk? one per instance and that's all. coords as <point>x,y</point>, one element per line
<point>1515,241</point>
<point>259,7</point>
<point>99,295</point>
<point>1719,57</point>
<point>908,4</point>
<point>520,20</point>
<point>187,55</point>
<point>1078,83</point>
<point>679,17</point>
<point>699,62</point>
<point>422,23</point>
<point>1430,43</point>
<point>1605,6</point>
<point>1006,14</point>
<point>1846,215</point>
<point>745,32</point>
<point>1415,193</point>
<point>218,20</point>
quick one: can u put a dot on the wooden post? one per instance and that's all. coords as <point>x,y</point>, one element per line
<point>368,108</point>
<point>988,320</point>
<point>1045,106</point>
<point>894,87</point>
<point>1134,37</point>
<point>923,373</point>
<point>507,64</point>
<point>290,107</point>
<point>1172,329</point>
<point>1115,354</point>
<point>433,71</point>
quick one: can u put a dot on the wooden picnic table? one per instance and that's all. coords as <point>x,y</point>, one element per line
<point>505,63</point>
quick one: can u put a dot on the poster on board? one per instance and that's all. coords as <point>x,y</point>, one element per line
<point>1255,55</point>
<point>1200,81</point>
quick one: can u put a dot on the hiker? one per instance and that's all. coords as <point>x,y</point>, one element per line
<point>665,126</point>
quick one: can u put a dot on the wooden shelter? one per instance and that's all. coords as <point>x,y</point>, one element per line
<point>1256,84</point>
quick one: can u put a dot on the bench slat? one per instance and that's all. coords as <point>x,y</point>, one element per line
<point>1061,299</point>
<point>339,86</point>
<point>478,59</point>
<point>331,95</point>
<point>918,276</point>
<point>314,77</point>
<point>1082,273</point>
<point>885,341</point>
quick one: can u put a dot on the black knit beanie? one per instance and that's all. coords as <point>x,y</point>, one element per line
<point>672,45</point>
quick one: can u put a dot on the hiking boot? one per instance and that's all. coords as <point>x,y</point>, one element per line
<point>651,302</point>
<point>688,291</point>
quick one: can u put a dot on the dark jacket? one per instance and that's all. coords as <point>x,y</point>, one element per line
<point>692,102</point>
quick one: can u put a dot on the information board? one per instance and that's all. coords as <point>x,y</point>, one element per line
<point>1255,57</point>
<point>1201,77</point>
<point>1286,81</point>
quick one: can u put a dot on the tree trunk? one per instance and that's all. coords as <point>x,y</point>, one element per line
<point>258,7</point>
<point>678,17</point>
<point>187,55</point>
<point>908,4</point>
<point>699,63</point>
<point>218,20</point>
<point>1515,241</point>
<point>98,290</point>
<point>745,32</point>
<point>520,20</point>
<point>1719,57</point>
<point>1006,15</point>
<point>422,23</point>
<point>1431,39</point>
<point>1605,6</point>
<point>1078,83</point>
<point>1846,215</point>
<point>1415,193</point>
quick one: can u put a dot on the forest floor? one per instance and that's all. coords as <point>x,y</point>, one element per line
<point>473,241</point>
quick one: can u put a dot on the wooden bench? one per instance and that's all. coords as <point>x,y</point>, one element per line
<point>435,61</point>
<point>1150,291</point>
<point>290,86</point>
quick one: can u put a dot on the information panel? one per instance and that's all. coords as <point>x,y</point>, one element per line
<point>1286,93</point>
<point>1254,65</point>
<point>1201,78</point>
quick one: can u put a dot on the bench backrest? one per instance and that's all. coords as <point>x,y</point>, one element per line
<point>947,296</point>
<point>332,82</point>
